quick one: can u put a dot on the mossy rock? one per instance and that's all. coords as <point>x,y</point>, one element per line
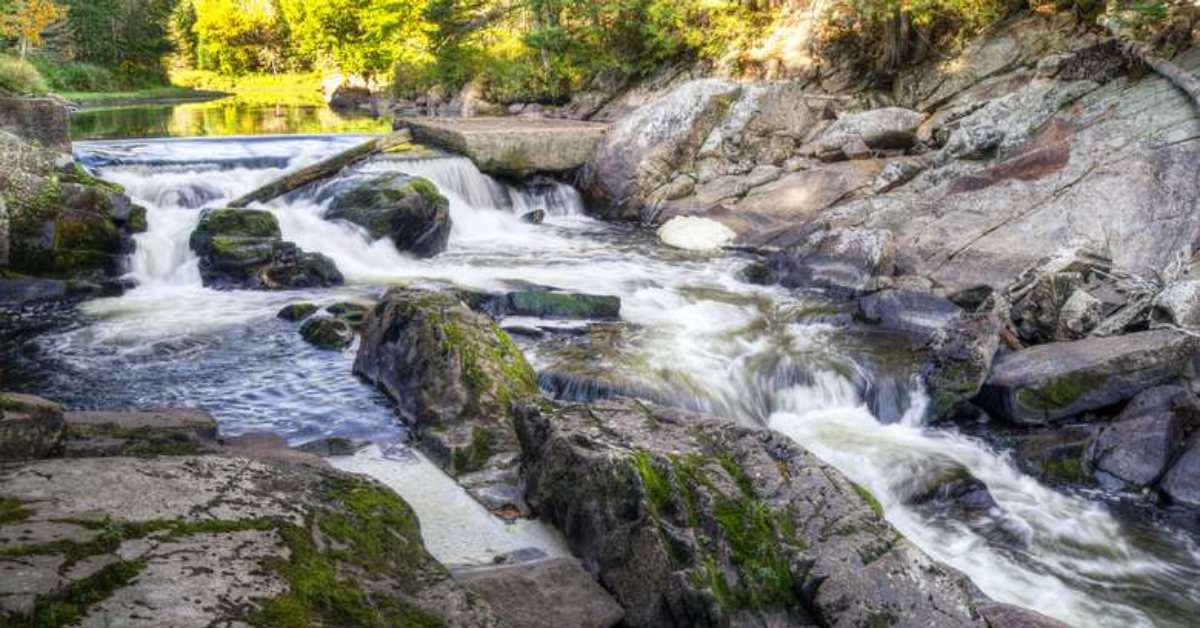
<point>327,333</point>
<point>297,311</point>
<point>554,304</point>
<point>234,223</point>
<point>409,210</point>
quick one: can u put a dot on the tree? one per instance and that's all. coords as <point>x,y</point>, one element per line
<point>25,20</point>
<point>364,37</point>
<point>237,36</point>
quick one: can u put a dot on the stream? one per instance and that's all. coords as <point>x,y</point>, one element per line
<point>692,333</point>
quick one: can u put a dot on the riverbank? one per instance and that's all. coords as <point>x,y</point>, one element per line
<point>165,95</point>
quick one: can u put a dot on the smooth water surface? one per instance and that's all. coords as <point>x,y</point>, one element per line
<point>697,335</point>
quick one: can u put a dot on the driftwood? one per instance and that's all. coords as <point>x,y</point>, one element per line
<point>322,169</point>
<point>1187,82</point>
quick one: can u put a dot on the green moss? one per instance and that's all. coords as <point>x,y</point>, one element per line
<point>866,496</point>
<point>1061,392</point>
<point>428,191</point>
<point>474,456</point>
<point>68,605</point>
<point>78,175</point>
<point>13,511</point>
<point>137,222</point>
<point>755,538</point>
<point>655,483</point>
<point>1068,470</point>
<point>246,223</point>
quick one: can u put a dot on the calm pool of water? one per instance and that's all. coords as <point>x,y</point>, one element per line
<point>227,116</point>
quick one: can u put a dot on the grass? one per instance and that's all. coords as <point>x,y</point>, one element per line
<point>20,77</point>
<point>167,92</point>
<point>257,89</point>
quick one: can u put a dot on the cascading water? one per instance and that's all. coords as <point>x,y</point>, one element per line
<point>703,338</point>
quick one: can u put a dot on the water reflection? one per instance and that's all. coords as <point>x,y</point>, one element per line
<point>227,116</point>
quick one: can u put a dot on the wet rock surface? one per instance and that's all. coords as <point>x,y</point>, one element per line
<point>546,593</point>
<point>409,210</point>
<point>454,376</point>
<point>688,521</point>
<point>243,249</point>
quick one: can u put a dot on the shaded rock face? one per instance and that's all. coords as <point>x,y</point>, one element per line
<point>693,522</point>
<point>890,127</point>
<point>1050,382</point>
<point>243,249</point>
<point>1182,482</point>
<point>409,210</point>
<point>846,262</point>
<point>454,376</point>
<point>960,359</point>
<point>195,541</point>
<point>30,427</point>
<point>548,593</point>
<point>1137,448</point>
<point>42,120</point>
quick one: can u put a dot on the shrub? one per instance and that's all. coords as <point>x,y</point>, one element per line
<point>69,76</point>
<point>20,77</point>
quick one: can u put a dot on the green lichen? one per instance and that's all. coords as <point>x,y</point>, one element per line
<point>656,484</point>
<point>866,496</point>
<point>1061,392</point>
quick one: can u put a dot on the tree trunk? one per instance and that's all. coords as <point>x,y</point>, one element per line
<point>322,169</point>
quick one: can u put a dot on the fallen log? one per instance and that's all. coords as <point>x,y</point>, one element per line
<point>1187,82</point>
<point>322,169</point>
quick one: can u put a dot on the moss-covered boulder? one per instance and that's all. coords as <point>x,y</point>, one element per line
<point>409,210</point>
<point>545,303</point>
<point>151,432</point>
<point>73,230</point>
<point>454,376</point>
<point>216,540</point>
<point>1051,382</point>
<point>30,427</point>
<point>692,521</point>
<point>243,249</point>
<point>326,332</point>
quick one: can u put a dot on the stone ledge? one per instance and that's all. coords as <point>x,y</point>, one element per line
<point>511,146</point>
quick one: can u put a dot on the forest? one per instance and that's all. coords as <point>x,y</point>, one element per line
<point>520,50</point>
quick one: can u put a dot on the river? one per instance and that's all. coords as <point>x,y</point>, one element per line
<point>693,334</point>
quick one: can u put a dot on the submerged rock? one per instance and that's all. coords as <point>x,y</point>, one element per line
<point>409,210</point>
<point>545,303</point>
<point>453,375</point>
<point>1050,382</point>
<point>691,521</point>
<point>296,311</point>
<point>327,333</point>
<point>30,427</point>
<point>535,217</point>
<point>243,249</point>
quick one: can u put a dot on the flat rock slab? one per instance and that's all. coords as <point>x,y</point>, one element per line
<point>139,432</point>
<point>512,146</point>
<point>544,593</point>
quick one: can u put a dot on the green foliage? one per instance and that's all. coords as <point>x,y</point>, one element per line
<point>74,76</point>
<point>20,77</point>
<point>128,37</point>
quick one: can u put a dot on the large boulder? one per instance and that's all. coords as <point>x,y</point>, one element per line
<point>1182,481</point>
<point>243,249</point>
<point>546,593</point>
<point>890,127</point>
<point>1050,382</point>
<point>640,153</point>
<point>1139,445</point>
<point>30,427</point>
<point>409,210</point>
<point>454,376</point>
<point>193,541</point>
<point>691,521</point>
<point>845,262</point>
<point>912,312</point>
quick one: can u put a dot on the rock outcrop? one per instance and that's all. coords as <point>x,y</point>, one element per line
<point>249,534</point>
<point>42,120</point>
<point>454,376</point>
<point>691,521</point>
<point>409,210</point>
<point>243,249</point>
<point>511,146</point>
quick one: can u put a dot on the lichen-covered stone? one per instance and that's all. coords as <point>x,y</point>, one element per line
<point>409,210</point>
<point>692,521</point>
<point>453,374</point>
